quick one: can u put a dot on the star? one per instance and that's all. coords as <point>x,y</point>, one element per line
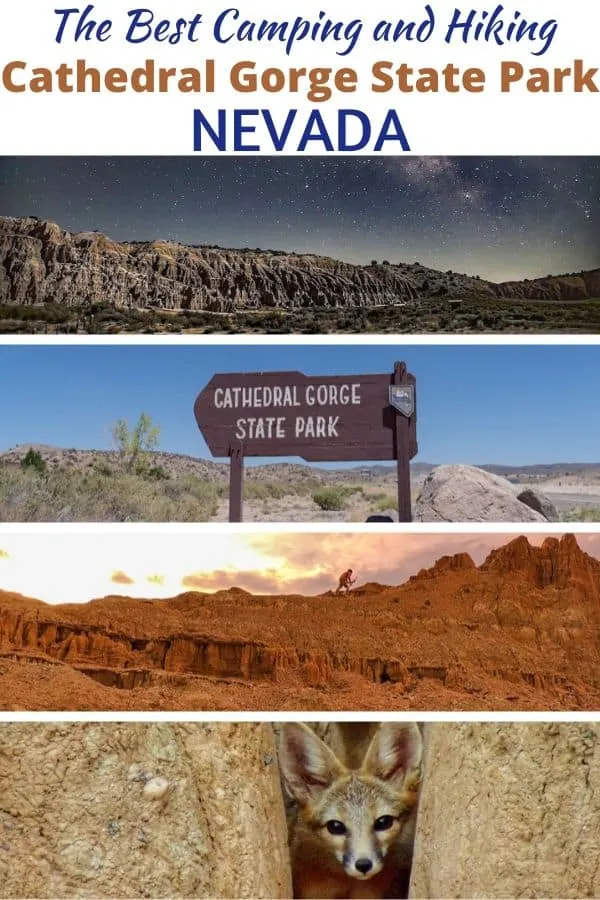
<point>499,217</point>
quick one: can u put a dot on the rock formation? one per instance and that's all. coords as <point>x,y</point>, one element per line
<point>457,493</point>
<point>141,810</point>
<point>580,286</point>
<point>41,263</point>
<point>559,563</point>
<point>521,627</point>
<point>509,811</point>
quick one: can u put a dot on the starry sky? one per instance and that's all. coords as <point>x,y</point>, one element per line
<point>74,567</point>
<point>498,217</point>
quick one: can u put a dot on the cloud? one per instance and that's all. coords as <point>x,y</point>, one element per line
<point>121,578</point>
<point>4,554</point>
<point>156,579</point>
<point>387,558</point>
<point>267,581</point>
<point>311,564</point>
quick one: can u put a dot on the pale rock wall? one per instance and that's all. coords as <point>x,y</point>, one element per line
<point>509,811</point>
<point>78,819</point>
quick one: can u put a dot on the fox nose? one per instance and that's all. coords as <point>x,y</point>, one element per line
<point>363,865</point>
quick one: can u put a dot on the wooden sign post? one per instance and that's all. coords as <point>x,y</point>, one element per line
<point>236,482</point>
<point>330,418</point>
<point>403,401</point>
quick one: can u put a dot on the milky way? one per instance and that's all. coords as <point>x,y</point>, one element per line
<point>498,217</point>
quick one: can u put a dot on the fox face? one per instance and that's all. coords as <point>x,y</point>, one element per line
<point>360,821</point>
<point>353,821</point>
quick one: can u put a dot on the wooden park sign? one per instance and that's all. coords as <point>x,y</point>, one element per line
<point>331,418</point>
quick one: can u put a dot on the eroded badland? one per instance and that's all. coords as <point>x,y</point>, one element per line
<point>518,632</point>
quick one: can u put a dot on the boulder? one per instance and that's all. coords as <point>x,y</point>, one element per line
<point>457,493</point>
<point>102,810</point>
<point>540,503</point>
<point>509,811</point>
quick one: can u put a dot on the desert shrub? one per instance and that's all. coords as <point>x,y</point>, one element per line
<point>264,490</point>
<point>102,469</point>
<point>385,501</point>
<point>34,460</point>
<point>157,473</point>
<point>86,495</point>
<point>582,514</point>
<point>276,490</point>
<point>331,498</point>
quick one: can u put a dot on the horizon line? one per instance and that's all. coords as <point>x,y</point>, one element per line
<point>305,253</point>
<point>559,537</point>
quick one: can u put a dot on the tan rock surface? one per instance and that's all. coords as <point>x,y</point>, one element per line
<point>141,810</point>
<point>509,811</point>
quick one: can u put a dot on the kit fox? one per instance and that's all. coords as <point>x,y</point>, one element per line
<point>353,830</point>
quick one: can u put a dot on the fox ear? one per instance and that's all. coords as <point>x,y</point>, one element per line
<point>395,753</point>
<point>307,764</point>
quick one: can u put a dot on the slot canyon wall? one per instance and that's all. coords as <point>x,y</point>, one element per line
<point>195,810</point>
<point>509,811</point>
<point>141,810</point>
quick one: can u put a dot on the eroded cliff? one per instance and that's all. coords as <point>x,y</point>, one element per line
<point>41,263</point>
<point>527,616</point>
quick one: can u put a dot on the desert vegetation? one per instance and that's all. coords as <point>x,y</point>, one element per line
<point>102,492</point>
<point>468,315</point>
<point>137,483</point>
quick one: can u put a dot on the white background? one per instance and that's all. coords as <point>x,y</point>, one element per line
<point>490,123</point>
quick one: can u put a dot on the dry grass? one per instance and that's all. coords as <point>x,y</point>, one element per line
<point>334,498</point>
<point>69,495</point>
<point>382,502</point>
<point>582,514</point>
<point>103,494</point>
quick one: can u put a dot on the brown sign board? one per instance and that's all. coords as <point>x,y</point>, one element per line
<point>318,418</point>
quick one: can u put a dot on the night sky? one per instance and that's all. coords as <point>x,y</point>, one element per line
<point>498,217</point>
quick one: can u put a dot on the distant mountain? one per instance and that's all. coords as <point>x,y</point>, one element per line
<point>183,464</point>
<point>41,263</point>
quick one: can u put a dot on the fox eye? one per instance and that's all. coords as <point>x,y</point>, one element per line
<point>383,823</point>
<point>335,827</point>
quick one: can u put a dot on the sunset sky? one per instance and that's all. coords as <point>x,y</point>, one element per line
<point>74,568</point>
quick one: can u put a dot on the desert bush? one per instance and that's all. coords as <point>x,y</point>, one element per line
<point>582,514</point>
<point>157,473</point>
<point>331,498</point>
<point>102,469</point>
<point>264,490</point>
<point>385,501</point>
<point>34,460</point>
<point>276,490</point>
